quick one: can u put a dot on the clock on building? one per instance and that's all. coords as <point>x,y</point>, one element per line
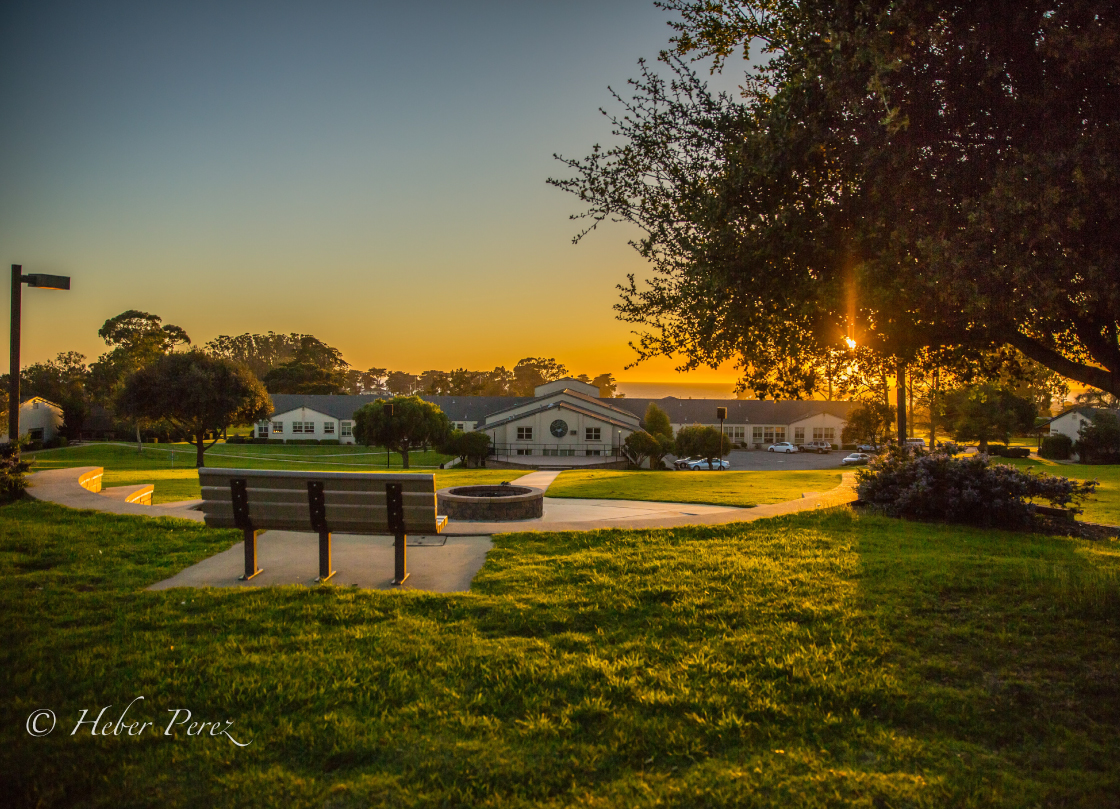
<point>559,428</point>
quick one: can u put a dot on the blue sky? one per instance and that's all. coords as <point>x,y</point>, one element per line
<point>371,173</point>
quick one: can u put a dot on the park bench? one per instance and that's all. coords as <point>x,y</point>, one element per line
<point>256,500</point>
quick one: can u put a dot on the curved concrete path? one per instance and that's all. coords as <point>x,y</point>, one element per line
<point>443,564</point>
<point>62,486</point>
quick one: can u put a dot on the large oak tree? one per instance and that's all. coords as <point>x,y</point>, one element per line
<point>908,175</point>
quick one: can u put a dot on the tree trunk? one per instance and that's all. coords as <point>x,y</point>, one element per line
<point>933,409</point>
<point>900,397</point>
<point>404,454</point>
<point>200,453</point>
<point>910,404</point>
<point>139,442</point>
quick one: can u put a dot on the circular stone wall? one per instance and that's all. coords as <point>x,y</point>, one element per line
<point>491,503</point>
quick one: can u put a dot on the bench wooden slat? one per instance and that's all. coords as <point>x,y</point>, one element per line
<point>370,499</point>
<point>297,517</point>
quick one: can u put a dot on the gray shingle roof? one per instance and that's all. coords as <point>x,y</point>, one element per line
<point>680,411</point>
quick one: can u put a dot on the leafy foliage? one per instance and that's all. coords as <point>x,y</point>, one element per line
<point>411,423</point>
<point>701,441</point>
<point>968,489</point>
<point>196,392</point>
<point>907,175</point>
<point>640,446</point>
<point>470,447</point>
<point>64,381</point>
<point>983,412</point>
<point>1056,447</point>
<point>13,469</point>
<point>1100,440</point>
<point>868,422</point>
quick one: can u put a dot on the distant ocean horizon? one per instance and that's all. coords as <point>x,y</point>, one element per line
<point>682,390</point>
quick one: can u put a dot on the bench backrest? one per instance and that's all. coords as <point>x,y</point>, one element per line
<point>342,502</point>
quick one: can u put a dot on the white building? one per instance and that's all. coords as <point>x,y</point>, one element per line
<point>568,419</point>
<point>39,419</point>
<point>1070,422</point>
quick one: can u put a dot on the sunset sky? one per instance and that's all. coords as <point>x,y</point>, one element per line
<point>372,173</point>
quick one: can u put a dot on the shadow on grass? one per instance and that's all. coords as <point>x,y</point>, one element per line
<point>818,659</point>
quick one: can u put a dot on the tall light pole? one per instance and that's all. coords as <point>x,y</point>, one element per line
<point>721,414</point>
<point>40,281</point>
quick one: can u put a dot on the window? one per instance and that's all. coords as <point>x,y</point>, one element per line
<point>799,435</point>
<point>458,426</point>
<point>262,431</point>
<point>592,434</point>
<point>328,428</point>
<point>830,434</point>
<point>522,450</point>
<point>524,434</point>
<point>757,433</point>
<point>278,427</point>
<point>558,452</point>
<point>780,433</point>
<point>347,429</point>
<point>35,433</point>
<point>594,452</point>
<point>768,432</point>
<point>738,433</point>
<point>818,434</point>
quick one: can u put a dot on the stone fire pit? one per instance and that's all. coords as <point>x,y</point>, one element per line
<point>491,503</point>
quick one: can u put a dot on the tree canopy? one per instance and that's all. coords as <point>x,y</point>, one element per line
<point>196,392</point>
<point>412,422</point>
<point>904,175</point>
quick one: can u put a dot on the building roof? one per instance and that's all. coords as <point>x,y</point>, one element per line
<point>739,411</point>
<point>1084,410</point>
<point>456,408</point>
<point>604,403</point>
<point>680,411</point>
<point>544,406</point>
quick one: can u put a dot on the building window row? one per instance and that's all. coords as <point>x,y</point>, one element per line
<point>824,434</point>
<point>304,428</point>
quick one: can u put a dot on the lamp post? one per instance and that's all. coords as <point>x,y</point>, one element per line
<point>388,408</point>
<point>721,414</point>
<point>40,281</point>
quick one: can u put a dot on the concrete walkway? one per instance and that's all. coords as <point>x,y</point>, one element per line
<point>443,564</point>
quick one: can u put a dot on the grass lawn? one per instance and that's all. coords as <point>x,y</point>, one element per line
<point>821,659</point>
<point>717,488</point>
<point>1104,506</point>
<point>125,466</point>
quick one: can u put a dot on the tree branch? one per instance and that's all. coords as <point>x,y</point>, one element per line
<point>1077,371</point>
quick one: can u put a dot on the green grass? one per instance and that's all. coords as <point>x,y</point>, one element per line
<point>1102,507</point>
<point>822,659</point>
<point>176,479</point>
<point>716,488</point>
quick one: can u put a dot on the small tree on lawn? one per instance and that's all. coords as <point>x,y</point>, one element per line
<point>641,445</point>
<point>702,442</point>
<point>868,423</point>
<point>656,422</point>
<point>473,446</point>
<point>197,393</point>
<point>12,471</point>
<point>1100,441</point>
<point>413,422</point>
<point>983,412</point>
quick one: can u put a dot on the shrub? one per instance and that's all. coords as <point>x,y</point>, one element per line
<point>1100,440</point>
<point>997,449</point>
<point>12,472</point>
<point>966,490</point>
<point>332,442</point>
<point>236,439</point>
<point>1056,447</point>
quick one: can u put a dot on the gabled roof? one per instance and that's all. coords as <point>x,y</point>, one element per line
<point>40,399</point>
<point>561,405</point>
<point>456,408</point>
<point>1084,410</point>
<point>603,403</point>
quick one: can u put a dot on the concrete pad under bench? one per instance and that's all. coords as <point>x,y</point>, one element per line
<point>436,564</point>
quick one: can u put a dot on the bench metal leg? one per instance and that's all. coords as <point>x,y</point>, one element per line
<point>251,568</point>
<point>400,546</point>
<point>325,571</point>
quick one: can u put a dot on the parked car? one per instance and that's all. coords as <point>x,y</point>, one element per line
<point>702,464</point>
<point>817,446</point>
<point>782,446</point>
<point>856,459</point>
<point>870,448</point>
<point>682,463</point>
<point>916,442</point>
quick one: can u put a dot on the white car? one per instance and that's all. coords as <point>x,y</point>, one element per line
<point>682,463</point>
<point>856,459</point>
<point>782,446</point>
<point>700,464</point>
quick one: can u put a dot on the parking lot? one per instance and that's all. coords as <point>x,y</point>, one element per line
<point>742,460</point>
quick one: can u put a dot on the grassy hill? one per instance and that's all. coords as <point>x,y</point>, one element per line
<point>822,659</point>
